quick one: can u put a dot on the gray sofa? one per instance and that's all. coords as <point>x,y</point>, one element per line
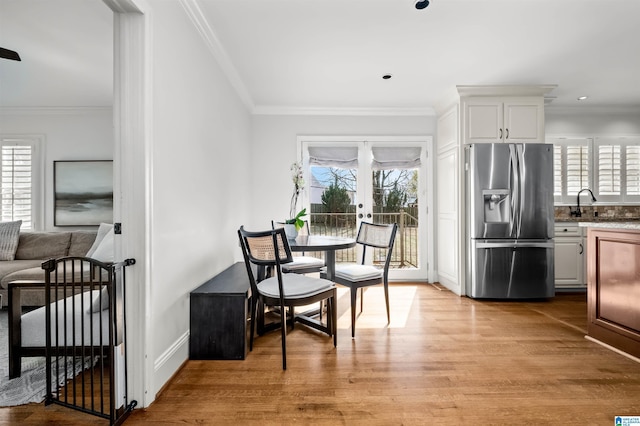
<point>33,249</point>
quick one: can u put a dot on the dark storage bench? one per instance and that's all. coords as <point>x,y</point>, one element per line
<point>218,316</point>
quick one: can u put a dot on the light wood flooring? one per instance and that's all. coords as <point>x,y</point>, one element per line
<point>442,360</point>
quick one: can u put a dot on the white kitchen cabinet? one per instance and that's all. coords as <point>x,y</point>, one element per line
<point>503,119</point>
<point>570,254</point>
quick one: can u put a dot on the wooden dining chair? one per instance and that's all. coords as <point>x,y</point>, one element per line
<point>271,249</point>
<point>358,276</point>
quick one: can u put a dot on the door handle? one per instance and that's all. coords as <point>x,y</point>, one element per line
<point>507,134</point>
<point>368,214</point>
<point>514,245</point>
<point>500,134</point>
<point>360,215</point>
<point>581,249</point>
<point>360,205</point>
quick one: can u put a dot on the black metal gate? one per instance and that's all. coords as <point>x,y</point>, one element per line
<point>87,326</point>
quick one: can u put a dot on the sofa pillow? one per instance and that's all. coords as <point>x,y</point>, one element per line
<point>81,242</point>
<point>9,236</point>
<point>104,251</point>
<point>100,301</point>
<point>43,245</point>
<point>103,230</point>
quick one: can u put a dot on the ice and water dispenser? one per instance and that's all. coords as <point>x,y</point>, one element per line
<point>496,206</point>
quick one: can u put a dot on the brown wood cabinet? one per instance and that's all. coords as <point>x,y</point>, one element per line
<point>613,286</point>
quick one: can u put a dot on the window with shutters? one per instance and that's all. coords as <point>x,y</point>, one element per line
<point>617,169</point>
<point>571,167</point>
<point>610,167</point>
<point>20,186</point>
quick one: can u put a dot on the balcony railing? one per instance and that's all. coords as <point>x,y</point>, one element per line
<point>405,250</point>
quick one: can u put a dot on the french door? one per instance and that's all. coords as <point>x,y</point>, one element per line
<point>373,179</point>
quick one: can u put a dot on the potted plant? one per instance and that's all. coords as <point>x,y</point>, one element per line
<point>295,222</point>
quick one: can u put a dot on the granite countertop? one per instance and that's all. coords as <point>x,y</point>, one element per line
<point>611,224</point>
<point>598,220</point>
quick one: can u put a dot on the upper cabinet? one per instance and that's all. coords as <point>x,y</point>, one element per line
<point>490,114</point>
<point>502,119</point>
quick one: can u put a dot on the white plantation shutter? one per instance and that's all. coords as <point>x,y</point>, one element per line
<point>577,168</point>
<point>633,170</point>
<point>617,169</point>
<point>558,177</point>
<point>17,181</point>
<point>571,166</point>
<point>609,169</point>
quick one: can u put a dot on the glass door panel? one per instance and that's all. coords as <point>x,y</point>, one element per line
<point>395,200</point>
<point>332,205</point>
<point>374,184</point>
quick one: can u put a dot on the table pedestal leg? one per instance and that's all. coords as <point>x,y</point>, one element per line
<point>330,260</point>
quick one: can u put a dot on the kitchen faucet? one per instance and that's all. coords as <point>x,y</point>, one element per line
<point>577,212</point>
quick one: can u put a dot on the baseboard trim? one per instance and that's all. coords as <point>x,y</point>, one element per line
<point>171,360</point>
<point>611,348</point>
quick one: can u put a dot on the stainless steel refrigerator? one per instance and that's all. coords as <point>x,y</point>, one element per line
<point>510,221</point>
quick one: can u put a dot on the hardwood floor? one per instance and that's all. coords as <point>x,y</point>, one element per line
<point>442,360</point>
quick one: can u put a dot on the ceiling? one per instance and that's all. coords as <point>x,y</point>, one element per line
<point>332,54</point>
<point>66,47</point>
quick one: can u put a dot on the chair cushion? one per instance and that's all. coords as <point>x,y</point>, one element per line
<point>100,301</point>
<point>358,272</point>
<point>300,262</point>
<point>294,286</point>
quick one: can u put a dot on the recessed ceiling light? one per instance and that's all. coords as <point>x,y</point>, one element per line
<point>422,4</point>
<point>582,98</point>
<point>387,76</point>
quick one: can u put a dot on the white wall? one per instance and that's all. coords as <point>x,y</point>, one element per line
<point>200,189</point>
<point>591,121</point>
<point>274,148</point>
<point>69,134</point>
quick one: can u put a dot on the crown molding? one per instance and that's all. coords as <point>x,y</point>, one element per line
<point>194,12</point>
<point>279,110</point>
<point>55,110</point>
<point>515,90</point>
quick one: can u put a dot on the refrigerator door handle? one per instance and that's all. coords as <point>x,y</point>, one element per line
<point>519,190</point>
<point>515,244</point>
<point>514,187</point>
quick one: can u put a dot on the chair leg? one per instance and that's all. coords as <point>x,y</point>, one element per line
<point>254,304</point>
<point>386,299</point>
<point>354,294</point>
<point>334,317</point>
<point>292,316</point>
<point>361,299</point>
<point>283,328</point>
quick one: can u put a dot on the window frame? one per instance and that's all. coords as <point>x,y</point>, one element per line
<point>36,142</point>
<point>593,144</point>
